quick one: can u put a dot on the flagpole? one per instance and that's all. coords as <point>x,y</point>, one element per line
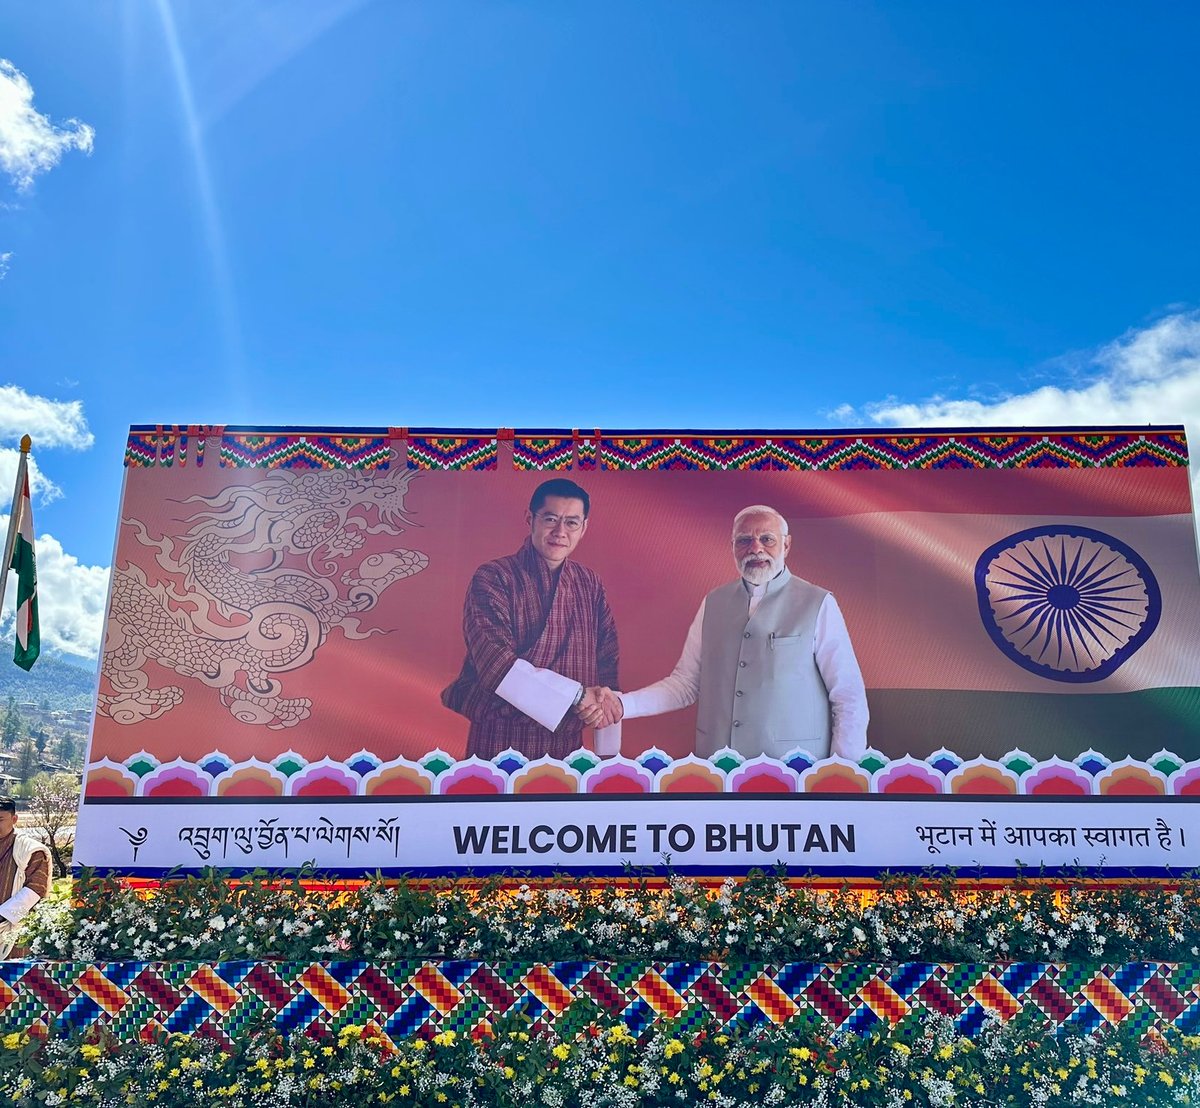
<point>13,521</point>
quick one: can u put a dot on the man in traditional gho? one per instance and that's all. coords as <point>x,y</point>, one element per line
<point>539,634</point>
<point>768,656</point>
<point>24,875</point>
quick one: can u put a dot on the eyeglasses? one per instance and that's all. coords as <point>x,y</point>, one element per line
<point>550,521</point>
<point>744,542</point>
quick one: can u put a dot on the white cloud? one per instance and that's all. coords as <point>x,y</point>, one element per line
<point>71,599</point>
<point>29,143</point>
<point>43,489</point>
<point>47,422</point>
<point>4,260</point>
<point>1148,375</point>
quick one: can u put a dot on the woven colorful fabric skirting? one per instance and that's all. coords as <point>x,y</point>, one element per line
<point>405,999</point>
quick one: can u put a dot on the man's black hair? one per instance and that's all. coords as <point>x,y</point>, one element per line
<point>559,486</point>
<point>7,804</point>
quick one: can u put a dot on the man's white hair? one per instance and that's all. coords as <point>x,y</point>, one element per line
<point>759,510</point>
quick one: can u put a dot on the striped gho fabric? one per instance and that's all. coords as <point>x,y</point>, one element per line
<point>516,608</point>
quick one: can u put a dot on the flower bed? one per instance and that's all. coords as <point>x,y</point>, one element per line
<point>763,918</point>
<point>766,991</point>
<point>512,1068</point>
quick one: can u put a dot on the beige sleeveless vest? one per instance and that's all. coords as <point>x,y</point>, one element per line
<point>760,689</point>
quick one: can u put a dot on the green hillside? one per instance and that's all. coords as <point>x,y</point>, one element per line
<point>65,685</point>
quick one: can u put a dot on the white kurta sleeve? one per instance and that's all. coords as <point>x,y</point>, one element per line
<point>542,694</point>
<point>843,681</point>
<point>679,688</point>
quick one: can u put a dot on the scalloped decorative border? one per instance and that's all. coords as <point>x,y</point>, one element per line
<point>440,774</point>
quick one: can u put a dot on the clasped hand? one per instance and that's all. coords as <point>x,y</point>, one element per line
<point>600,707</point>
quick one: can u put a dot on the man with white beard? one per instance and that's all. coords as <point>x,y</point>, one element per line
<point>768,656</point>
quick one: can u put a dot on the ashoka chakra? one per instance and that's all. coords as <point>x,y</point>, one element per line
<point>1065,602</point>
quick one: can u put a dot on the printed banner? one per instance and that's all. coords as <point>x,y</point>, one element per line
<point>607,835</point>
<point>1000,614</point>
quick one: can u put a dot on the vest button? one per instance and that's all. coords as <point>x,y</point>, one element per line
<point>739,693</point>
<point>737,723</point>
<point>746,635</point>
<point>742,665</point>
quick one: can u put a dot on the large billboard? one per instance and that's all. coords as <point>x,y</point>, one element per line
<point>407,650</point>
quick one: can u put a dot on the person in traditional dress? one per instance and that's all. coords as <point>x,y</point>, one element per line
<point>768,656</point>
<point>539,633</point>
<point>24,875</point>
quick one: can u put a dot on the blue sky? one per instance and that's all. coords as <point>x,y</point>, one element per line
<point>662,215</point>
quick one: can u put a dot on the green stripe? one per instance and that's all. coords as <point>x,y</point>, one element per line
<point>26,569</point>
<point>1117,725</point>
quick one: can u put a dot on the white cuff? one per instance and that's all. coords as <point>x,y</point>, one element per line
<point>542,694</point>
<point>608,740</point>
<point>19,905</point>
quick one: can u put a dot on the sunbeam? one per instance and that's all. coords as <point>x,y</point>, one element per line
<point>226,302</point>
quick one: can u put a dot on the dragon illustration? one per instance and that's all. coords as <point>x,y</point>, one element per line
<point>236,629</point>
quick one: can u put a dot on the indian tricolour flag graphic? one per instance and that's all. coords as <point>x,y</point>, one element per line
<point>28,637</point>
<point>1045,611</point>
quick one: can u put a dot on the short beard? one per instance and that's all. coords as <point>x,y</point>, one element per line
<point>760,575</point>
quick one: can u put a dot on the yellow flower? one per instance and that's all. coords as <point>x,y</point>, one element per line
<point>1166,1078</point>
<point>15,1040</point>
<point>673,1047</point>
<point>445,1038</point>
<point>90,1052</point>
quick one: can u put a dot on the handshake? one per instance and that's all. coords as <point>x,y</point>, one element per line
<point>600,707</point>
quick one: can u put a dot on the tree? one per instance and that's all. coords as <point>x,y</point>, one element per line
<point>53,806</point>
<point>10,736</point>
<point>27,761</point>
<point>68,747</point>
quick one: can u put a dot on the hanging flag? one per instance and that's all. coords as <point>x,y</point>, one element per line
<point>28,640</point>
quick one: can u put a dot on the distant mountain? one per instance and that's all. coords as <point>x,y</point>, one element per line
<point>65,684</point>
